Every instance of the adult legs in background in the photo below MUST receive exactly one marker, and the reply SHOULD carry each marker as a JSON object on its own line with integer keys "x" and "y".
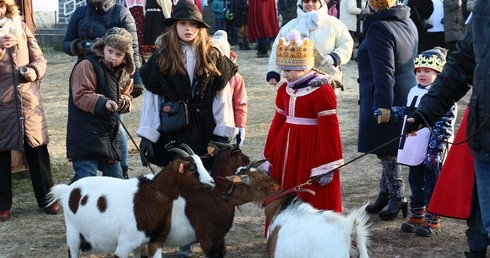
{"x": 5, "y": 180}
{"x": 476, "y": 235}
{"x": 396, "y": 187}
{"x": 262, "y": 48}
{"x": 40, "y": 171}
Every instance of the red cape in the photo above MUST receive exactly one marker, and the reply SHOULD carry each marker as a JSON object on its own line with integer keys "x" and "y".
{"x": 262, "y": 19}
{"x": 454, "y": 188}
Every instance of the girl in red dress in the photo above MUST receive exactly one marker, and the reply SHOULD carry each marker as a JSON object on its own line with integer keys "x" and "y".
{"x": 304, "y": 137}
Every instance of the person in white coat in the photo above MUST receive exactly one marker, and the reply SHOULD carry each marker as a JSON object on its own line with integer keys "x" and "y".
{"x": 332, "y": 41}
{"x": 349, "y": 12}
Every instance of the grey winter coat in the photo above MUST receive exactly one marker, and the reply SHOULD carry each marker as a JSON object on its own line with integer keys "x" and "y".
{"x": 468, "y": 63}
{"x": 453, "y": 20}
{"x": 386, "y": 74}
{"x": 21, "y": 111}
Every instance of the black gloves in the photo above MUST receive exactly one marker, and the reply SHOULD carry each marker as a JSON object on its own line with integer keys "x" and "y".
{"x": 420, "y": 121}
{"x": 146, "y": 150}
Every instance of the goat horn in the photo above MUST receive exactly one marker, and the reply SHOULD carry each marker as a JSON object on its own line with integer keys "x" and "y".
{"x": 187, "y": 148}
{"x": 180, "y": 152}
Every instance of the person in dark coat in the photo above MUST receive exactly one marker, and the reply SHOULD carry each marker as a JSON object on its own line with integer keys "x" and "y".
{"x": 240, "y": 19}
{"x": 90, "y": 22}
{"x": 420, "y": 11}
{"x": 385, "y": 63}
{"x": 467, "y": 65}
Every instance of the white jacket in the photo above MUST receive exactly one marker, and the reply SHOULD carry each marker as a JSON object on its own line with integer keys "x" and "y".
{"x": 349, "y": 11}
{"x": 328, "y": 34}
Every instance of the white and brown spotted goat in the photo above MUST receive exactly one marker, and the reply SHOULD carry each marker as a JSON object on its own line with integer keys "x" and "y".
{"x": 297, "y": 229}
{"x": 105, "y": 214}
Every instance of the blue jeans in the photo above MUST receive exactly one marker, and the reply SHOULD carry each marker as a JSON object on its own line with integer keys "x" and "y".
{"x": 479, "y": 222}
{"x": 422, "y": 182}
{"x": 124, "y": 144}
{"x": 88, "y": 167}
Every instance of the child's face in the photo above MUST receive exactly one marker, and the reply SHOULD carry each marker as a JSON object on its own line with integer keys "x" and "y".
{"x": 293, "y": 75}
{"x": 187, "y": 30}
{"x": 114, "y": 57}
{"x": 425, "y": 76}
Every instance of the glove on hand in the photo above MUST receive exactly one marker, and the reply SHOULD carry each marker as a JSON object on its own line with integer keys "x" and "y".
{"x": 414, "y": 122}
{"x": 384, "y": 117}
{"x": 221, "y": 139}
{"x": 326, "y": 179}
{"x": 136, "y": 92}
{"x": 327, "y": 60}
{"x": 123, "y": 104}
{"x": 146, "y": 150}
{"x": 241, "y": 134}
{"x": 28, "y": 73}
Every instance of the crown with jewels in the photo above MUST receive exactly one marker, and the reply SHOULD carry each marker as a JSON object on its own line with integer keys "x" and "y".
{"x": 294, "y": 53}
{"x": 433, "y": 58}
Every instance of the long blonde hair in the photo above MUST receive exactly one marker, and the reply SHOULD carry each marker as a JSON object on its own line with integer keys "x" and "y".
{"x": 170, "y": 61}
{"x": 14, "y": 20}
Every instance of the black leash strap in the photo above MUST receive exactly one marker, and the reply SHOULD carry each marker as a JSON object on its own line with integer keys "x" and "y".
{"x": 136, "y": 145}
{"x": 317, "y": 177}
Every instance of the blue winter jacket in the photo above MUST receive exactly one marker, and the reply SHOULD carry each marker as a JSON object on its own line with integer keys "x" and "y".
{"x": 385, "y": 62}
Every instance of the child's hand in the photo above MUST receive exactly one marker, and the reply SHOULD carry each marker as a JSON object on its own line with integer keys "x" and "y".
{"x": 111, "y": 105}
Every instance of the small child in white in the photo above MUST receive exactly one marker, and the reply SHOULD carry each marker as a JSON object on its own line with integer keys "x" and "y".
{"x": 425, "y": 152}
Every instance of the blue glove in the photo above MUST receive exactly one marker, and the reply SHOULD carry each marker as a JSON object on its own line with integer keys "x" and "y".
{"x": 146, "y": 150}
{"x": 326, "y": 179}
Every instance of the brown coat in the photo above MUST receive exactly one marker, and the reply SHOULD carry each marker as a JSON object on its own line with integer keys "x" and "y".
{"x": 21, "y": 112}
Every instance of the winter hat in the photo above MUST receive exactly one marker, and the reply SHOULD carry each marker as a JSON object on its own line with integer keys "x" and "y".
{"x": 186, "y": 10}
{"x": 119, "y": 39}
{"x": 220, "y": 40}
{"x": 378, "y": 5}
{"x": 433, "y": 58}
{"x": 294, "y": 53}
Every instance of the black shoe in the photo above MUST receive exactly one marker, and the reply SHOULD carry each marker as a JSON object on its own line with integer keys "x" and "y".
{"x": 125, "y": 172}
{"x": 393, "y": 208}
{"x": 476, "y": 254}
{"x": 379, "y": 204}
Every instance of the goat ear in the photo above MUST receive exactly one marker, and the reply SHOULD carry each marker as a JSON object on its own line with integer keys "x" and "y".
{"x": 181, "y": 167}
{"x": 212, "y": 149}
{"x": 244, "y": 179}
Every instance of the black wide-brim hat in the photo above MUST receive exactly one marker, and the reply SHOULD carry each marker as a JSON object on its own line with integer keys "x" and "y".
{"x": 186, "y": 10}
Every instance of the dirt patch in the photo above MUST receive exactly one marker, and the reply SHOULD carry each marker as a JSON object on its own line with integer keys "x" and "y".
{"x": 31, "y": 233}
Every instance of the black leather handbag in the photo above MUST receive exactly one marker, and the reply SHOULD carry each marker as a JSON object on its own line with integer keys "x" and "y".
{"x": 173, "y": 116}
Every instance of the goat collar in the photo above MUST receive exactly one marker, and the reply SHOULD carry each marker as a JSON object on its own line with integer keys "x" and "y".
{"x": 296, "y": 189}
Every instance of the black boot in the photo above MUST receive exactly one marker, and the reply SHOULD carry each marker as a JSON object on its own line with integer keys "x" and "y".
{"x": 125, "y": 172}
{"x": 379, "y": 204}
{"x": 476, "y": 254}
{"x": 394, "y": 206}
{"x": 245, "y": 44}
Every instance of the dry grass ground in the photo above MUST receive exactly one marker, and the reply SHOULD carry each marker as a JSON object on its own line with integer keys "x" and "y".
{"x": 31, "y": 233}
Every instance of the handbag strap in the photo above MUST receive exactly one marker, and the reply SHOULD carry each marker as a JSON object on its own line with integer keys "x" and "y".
{"x": 17, "y": 91}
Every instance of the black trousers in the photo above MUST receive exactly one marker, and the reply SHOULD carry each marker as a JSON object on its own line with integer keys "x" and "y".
{"x": 39, "y": 169}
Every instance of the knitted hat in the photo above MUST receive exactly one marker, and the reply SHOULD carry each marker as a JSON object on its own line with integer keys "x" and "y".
{"x": 119, "y": 39}
{"x": 433, "y": 58}
{"x": 294, "y": 53}
{"x": 220, "y": 40}
{"x": 186, "y": 10}
{"x": 378, "y": 5}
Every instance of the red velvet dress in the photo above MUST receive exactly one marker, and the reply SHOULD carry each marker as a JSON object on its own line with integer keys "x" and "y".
{"x": 305, "y": 135}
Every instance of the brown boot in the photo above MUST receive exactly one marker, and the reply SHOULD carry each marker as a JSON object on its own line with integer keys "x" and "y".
{"x": 416, "y": 218}
{"x": 429, "y": 227}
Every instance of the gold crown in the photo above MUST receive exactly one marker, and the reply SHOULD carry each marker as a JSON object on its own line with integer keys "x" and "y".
{"x": 295, "y": 54}
{"x": 432, "y": 59}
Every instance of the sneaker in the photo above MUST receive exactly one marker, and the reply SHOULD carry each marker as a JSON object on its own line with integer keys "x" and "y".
{"x": 411, "y": 223}
{"x": 428, "y": 230}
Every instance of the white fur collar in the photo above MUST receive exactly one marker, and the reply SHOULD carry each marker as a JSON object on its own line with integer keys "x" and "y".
{"x": 309, "y": 21}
